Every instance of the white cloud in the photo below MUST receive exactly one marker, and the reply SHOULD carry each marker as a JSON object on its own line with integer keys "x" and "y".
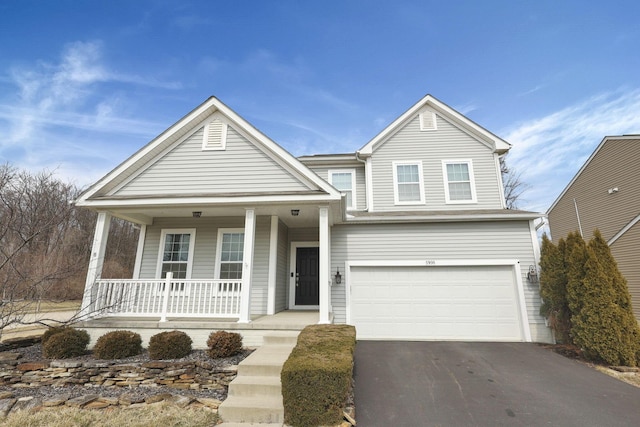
{"x": 548, "y": 151}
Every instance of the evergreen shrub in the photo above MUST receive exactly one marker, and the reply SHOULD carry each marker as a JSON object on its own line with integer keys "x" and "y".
{"x": 118, "y": 345}
{"x": 64, "y": 343}
{"x": 169, "y": 345}
{"x": 224, "y": 344}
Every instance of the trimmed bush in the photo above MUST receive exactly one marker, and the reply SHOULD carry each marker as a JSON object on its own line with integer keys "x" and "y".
{"x": 169, "y": 345}
{"x": 224, "y": 344}
{"x": 118, "y": 345}
{"x": 64, "y": 343}
{"x": 316, "y": 378}
{"x": 52, "y": 331}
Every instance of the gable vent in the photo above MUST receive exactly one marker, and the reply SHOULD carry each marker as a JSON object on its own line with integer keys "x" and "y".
{"x": 215, "y": 136}
{"x": 428, "y": 120}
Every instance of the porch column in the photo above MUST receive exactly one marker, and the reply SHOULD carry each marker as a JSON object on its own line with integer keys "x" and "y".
{"x": 247, "y": 267}
{"x": 96, "y": 260}
{"x": 323, "y": 265}
{"x": 273, "y": 266}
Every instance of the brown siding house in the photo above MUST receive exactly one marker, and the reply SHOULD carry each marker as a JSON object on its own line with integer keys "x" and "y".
{"x": 605, "y": 194}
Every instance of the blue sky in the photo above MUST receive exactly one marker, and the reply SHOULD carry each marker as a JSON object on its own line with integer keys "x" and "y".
{"x": 84, "y": 84}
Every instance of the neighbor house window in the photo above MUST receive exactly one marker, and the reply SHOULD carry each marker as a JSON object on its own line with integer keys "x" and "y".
{"x": 230, "y": 254}
{"x": 345, "y": 182}
{"x": 459, "y": 183}
{"x": 176, "y": 253}
{"x": 408, "y": 184}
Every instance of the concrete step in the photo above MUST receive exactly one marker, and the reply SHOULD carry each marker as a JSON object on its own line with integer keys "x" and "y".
{"x": 283, "y": 337}
{"x": 267, "y": 360}
{"x": 252, "y": 409}
{"x": 256, "y": 386}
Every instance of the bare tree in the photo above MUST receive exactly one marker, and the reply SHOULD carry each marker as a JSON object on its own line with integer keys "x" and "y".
{"x": 514, "y": 187}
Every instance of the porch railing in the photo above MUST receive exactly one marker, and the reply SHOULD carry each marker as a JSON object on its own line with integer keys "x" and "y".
{"x": 167, "y": 297}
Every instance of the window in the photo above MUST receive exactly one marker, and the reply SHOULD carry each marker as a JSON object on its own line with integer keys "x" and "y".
{"x": 230, "y": 254}
{"x": 176, "y": 253}
{"x": 407, "y": 179}
{"x": 345, "y": 182}
{"x": 459, "y": 184}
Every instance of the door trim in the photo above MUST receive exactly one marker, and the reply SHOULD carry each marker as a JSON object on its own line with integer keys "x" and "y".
{"x": 292, "y": 280}
{"x": 513, "y": 263}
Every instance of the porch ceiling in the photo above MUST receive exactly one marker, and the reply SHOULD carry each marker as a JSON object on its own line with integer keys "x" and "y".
{"x": 308, "y": 215}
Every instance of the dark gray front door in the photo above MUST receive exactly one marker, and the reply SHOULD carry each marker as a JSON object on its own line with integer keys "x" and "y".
{"x": 307, "y": 289}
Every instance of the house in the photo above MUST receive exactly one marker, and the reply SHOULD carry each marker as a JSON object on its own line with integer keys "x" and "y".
{"x": 407, "y": 238}
{"x": 605, "y": 194}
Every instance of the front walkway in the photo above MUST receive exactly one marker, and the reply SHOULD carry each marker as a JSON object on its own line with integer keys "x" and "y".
{"x": 200, "y": 328}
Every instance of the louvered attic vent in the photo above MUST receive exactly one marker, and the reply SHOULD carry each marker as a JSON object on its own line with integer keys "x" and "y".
{"x": 428, "y": 120}
{"x": 215, "y": 135}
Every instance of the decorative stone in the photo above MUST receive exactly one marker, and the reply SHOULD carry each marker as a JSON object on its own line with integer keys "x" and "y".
{"x": 79, "y": 402}
{"x": 181, "y": 401}
{"x": 6, "y": 395}
{"x": 56, "y": 401}
{"x": 27, "y": 403}
{"x": 9, "y": 356}
{"x": 128, "y": 399}
{"x": 108, "y": 399}
{"x": 158, "y": 397}
{"x": 96, "y": 405}
{"x": 65, "y": 364}
{"x": 179, "y": 386}
{"x": 32, "y": 366}
{"x": 6, "y": 405}
{"x": 209, "y": 402}
{"x": 156, "y": 365}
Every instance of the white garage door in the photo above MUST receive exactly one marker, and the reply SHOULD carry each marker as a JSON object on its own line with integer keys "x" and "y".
{"x": 478, "y": 303}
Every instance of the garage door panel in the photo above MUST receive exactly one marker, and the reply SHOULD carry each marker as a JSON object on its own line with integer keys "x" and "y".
{"x": 465, "y": 303}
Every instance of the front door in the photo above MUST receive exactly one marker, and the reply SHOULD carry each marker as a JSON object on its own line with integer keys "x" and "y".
{"x": 307, "y": 283}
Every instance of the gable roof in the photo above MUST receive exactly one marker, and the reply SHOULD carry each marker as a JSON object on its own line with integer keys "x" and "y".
{"x": 499, "y": 145}
{"x": 586, "y": 164}
{"x": 144, "y": 157}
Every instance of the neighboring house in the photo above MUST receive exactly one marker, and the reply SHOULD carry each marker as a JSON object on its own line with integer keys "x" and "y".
{"x": 407, "y": 238}
{"x": 605, "y": 194}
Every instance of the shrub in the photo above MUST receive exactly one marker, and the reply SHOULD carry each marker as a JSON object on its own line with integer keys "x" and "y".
{"x": 169, "y": 345}
{"x": 52, "y": 331}
{"x": 118, "y": 345}
{"x": 316, "y": 378}
{"x": 553, "y": 289}
{"x": 64, "y": 343}
{"x": 224, "y": 344}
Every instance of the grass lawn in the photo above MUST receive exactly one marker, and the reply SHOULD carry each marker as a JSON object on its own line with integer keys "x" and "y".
{"x": 155, "y": 415}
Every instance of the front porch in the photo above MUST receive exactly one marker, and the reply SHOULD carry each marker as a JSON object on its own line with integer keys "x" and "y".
{"x": 284, "y": 323}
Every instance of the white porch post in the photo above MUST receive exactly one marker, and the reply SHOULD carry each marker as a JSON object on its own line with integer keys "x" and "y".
{"x": 96, "y": 260}
{"x": 324, "y": 265}
{"x": 273, "y": 265}
{"x": 247, "y": 267}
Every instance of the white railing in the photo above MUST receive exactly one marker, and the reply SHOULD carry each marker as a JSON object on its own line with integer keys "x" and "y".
{"x": 167, "y": 297}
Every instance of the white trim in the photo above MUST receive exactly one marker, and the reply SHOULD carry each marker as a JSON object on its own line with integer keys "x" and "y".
{"x": 624, "y": 230}
{"x": 324, "y": 265}
{"x": 395, "y": 165}
{"x": 192, "y": 245}
{"x": 503, "y": 200}
{"x": 351, "y": 172}
{"x": 472, "y": 181}
{"x": 517, "y": 271}
{"x": 273, "y": 266}
{"x": 369, "y": 180}
{"x": 535, "y": 243}
{"x": 221, "y": 232}
{"x": 434, "y": 120}
{"x": 247, "y": 265}
{"x": 96, "y": 260}
{"x": 140, "y": 249}
{"x": 292, "y": 275}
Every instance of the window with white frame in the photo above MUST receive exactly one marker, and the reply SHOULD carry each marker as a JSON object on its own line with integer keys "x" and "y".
{"x": 176, "y": 253}
{"x": 459, "y": 183}
{"x": 230, "y": 254}
{"x": 345, "y": 182}
{"x": 408, "y": 183}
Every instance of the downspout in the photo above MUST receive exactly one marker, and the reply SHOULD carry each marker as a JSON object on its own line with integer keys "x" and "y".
{"x": 575, "y": 203}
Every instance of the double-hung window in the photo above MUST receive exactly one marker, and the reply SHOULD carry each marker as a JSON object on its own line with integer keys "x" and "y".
{"x": 408, "y": 183}
{"x": 176, "y": 255}
{"x": 230, "y": 254}
{"x": 459, "y": 183}
{"x": 345, "y": 181}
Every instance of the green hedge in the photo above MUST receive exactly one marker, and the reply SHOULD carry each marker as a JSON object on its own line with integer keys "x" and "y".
{"x": 316, "y": 379}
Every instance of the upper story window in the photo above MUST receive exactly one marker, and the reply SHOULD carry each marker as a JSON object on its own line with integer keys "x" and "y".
{"x": 345, "y": 181}
{"x": 459, "y": 183}
{"x": 230, "y": 253}
{"x": 176, "y": 253}
{"x": 408, "y": 183}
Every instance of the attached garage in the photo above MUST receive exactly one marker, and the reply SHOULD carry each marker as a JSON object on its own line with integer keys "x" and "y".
{"x": 446, "y": 300}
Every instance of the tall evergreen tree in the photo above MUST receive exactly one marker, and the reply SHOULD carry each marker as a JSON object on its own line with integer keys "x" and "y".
{"x": 553, "y": 288}
{"x": 575, "y": 257}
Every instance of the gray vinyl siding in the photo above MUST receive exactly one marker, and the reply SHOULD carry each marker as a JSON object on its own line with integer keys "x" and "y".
{"x": 431, "y": 147}
{"x": 625, "y": 251}
{"x": 361, "y": 189}
{"x": 303, "y": 234}
{"x": 615, "y": 165}
{"x": 282, "y": 278}
{"x": 204, "y": 259}
{"x": 460, "y": 241}
{"x": 240, "y": 168}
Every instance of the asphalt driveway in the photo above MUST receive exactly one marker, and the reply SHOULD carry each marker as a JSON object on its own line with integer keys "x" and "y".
{"x": 417, "y": 384}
